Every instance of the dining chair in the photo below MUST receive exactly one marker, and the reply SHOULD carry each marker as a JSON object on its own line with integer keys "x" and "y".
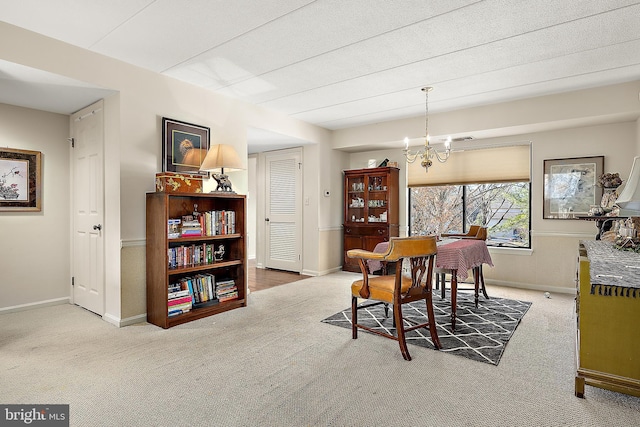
{"x": 397, "y": 289}
{"x": 476, "y": 232}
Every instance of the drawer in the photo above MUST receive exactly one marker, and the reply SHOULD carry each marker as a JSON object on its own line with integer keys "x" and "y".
{"x": 366, "y": 231}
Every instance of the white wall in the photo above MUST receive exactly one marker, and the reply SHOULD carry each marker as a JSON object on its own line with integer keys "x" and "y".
{"x": 34, "y": 246}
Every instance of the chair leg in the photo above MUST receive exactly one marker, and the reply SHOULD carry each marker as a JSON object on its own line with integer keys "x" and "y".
{"x": 484, "y": 290}
{"x": 386, "y": 310}
{"x": 476, "y": 284}
{"x": 354, "y": 317}
{"x": 397, "y": 315}
{"x": 432, "y": 322}
{"x": 443, "y": 278}
{"x": 454, "y": 297}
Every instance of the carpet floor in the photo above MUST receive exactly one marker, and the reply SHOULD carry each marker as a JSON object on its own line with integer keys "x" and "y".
{"x": 481, "y": 333}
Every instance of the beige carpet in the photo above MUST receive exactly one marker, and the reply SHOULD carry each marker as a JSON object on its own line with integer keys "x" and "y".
{"x": 275, "y": 363}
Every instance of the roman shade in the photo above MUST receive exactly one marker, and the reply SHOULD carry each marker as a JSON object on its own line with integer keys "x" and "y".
{"x": 475, "y": 166}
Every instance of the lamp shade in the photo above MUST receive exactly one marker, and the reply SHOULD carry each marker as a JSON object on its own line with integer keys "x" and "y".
{"x": 221, "y": 156}
{"x": 629, "y": 199}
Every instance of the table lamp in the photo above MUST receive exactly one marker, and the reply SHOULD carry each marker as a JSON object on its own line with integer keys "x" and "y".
{"x": 222, "y": 156}
{"x": 629, "y": 199}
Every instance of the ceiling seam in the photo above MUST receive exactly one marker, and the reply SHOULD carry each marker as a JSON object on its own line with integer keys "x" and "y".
{"x": 352, "y": 43}
{"x": 459, "y": 77}
{"x": 480, "y": 93}
{"x": 237, "y": 36}
{"x": 121, "y": 24}
{"x": 425, "y": 59}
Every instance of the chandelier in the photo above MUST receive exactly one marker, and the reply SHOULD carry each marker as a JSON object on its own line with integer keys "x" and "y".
{"x": 427, "y": 153}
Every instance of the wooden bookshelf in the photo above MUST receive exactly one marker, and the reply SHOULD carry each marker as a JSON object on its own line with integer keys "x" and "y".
{"x": 162, "y": 206}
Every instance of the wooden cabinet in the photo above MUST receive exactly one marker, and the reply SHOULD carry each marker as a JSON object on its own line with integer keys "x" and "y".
{"x": 371, "y": 210}
{"x": 229, "y": 267}
{"x": 607, "y": 314}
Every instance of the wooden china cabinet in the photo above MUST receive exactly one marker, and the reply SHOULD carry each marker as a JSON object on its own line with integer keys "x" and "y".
{"x": 371, "y": 206}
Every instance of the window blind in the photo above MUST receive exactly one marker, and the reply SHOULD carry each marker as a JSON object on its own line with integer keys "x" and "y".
{"x": 475, "y": 166}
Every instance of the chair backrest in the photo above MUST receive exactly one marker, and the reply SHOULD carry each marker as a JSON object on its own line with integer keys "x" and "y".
{"x": 409, "y": 247}
{"x": 481, "y": 234}
{"x": 473, "y": 230}
{"x": 421, "y": 251}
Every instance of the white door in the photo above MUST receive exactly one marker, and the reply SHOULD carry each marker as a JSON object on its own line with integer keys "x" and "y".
{"x": 283, "y": 210}
{"x": 87, "y": 131}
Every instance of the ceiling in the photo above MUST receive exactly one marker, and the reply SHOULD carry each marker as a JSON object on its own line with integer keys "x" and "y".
{"x": 339, "y": 63}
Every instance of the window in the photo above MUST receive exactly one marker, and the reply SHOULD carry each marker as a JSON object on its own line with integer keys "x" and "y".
{"x": 502, "y": 207}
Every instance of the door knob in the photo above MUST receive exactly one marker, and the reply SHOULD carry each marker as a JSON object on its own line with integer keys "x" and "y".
{"x": 97, "y": 227}
{"x": 266, "y": 219}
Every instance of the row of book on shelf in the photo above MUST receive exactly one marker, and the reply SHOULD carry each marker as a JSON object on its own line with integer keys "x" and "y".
{"x": 190, "y": 255}
{"x": 199, "y": 291}
{"x": 210, "y": 223}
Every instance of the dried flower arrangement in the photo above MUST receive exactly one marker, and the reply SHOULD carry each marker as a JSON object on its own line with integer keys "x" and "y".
{"x": 609, "y": 180}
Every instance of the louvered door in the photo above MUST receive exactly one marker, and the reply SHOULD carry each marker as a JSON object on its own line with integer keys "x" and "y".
{"x": 284, "y": 210}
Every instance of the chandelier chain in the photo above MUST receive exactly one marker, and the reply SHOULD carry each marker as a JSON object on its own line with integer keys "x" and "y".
{"x": 426, "y": 116}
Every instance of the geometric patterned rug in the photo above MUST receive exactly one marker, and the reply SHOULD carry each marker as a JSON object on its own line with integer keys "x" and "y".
{"x": 481, "y": 333}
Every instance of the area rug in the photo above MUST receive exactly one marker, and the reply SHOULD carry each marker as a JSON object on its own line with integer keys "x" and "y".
{"x": 481, "y": 333}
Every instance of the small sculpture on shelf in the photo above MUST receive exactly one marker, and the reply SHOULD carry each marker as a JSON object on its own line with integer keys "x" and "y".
{"x": 224, "y": 184}
{"x": 219, "y": 254}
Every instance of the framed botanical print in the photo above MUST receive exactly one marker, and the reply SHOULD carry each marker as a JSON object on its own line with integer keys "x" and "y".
{"x": 570, "y": 186}
{"x": 20, "y": 180}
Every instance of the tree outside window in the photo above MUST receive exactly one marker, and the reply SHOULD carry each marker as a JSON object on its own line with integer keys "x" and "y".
{"x": 501, "y": 207}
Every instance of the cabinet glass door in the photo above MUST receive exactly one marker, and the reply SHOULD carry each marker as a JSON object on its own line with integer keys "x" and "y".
{"x": 377, "y": 200}
{"x": 355, "y": 211}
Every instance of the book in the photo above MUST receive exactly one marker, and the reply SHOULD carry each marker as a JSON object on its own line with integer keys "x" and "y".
{"x": 173, "y": 228}
{"x": 179, "y": 301}
{"x": 178, "y": 293}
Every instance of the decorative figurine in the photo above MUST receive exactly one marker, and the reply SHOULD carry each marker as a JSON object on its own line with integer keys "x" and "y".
{"x": 219, "y": 254}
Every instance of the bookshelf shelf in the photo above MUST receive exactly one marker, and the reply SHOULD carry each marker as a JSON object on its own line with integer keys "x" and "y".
{"x": 206, "y": 278}
{"x": 202, "y": 267}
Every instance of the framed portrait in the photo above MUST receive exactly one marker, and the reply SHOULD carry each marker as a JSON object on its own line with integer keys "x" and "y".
{"x": 570, "y": 186}
{"x": 19, "y": 180}
{"x": 184, "y": 146}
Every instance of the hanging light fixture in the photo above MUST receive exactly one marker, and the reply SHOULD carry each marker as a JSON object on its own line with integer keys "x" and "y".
{"x": 427, "y": 153}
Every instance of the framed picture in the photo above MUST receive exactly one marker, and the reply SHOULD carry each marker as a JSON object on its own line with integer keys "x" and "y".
{"x": 19, "y": 180}
{"x": 570, "y": 186}
{"x": 184, "y": 147}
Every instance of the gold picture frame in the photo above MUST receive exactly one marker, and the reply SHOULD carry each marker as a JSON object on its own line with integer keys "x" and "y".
{"x": 20, "y": 174}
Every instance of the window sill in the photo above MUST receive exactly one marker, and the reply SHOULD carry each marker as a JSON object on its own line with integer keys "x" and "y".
{"x": 510, "y": 251}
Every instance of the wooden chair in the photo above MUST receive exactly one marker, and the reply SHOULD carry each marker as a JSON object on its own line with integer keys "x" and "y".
{"x": 397, "y": 289}
{"x": 475, "y": 232}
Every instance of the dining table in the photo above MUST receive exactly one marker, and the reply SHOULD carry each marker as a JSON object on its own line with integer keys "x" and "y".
{"x": 456, "y": 256}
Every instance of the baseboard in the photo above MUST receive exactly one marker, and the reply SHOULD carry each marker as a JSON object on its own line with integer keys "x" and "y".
{"x": 531, "y": 287}
{"x": 32, "y": 305}
{"x": 315, "y": 273}
{"x": 126, "y": 321}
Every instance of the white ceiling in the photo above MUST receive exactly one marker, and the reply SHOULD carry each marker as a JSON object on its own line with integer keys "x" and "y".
{"x": 338, "y": 63}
